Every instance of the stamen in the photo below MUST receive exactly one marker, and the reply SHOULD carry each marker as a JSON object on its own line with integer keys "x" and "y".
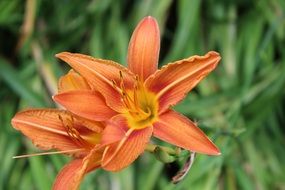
{"x": 125, "y": 100}
{"x": 135, "y": 92}
{"x": 114, "y": 83}
{"x": 136, "y": 97}
{"x": 122, "y": 85}
{"x": 121, "y": 74}
{"x": 125, "y": 96}
{"x": 132, "y": 103}
{"x": 73, "y": 133}
{"x": 48, "y": 153}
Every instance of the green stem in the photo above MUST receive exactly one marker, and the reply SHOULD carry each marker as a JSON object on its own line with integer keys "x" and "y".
{"x": 170, "y": 151}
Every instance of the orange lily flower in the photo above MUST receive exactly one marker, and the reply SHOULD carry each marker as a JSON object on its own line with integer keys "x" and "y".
{"x": 135, "y": 102}
{"x": 66, "y": 132}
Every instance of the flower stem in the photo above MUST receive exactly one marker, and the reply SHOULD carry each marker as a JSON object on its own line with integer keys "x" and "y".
{"x": 170, "y": 151}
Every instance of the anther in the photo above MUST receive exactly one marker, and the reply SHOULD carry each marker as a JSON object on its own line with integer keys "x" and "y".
{"x": 137, "y": 78}
{"x": 121, "y": 74}
{"x": 73, "y": 133}
{"x": 114, "y": 82}
{"x": 122, "y": 85}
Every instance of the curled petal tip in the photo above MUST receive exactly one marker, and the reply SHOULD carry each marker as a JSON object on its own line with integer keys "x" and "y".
{"x": 14, "y": 122}
{"x": 150, "y": 22}
{"x": 55, "y": 98}
{"x": 214, "y": 53}
{"x": 58, "y": 55}
{"x": 216, "y": 152}
{"x": 62, "y": 54}
{"x": 150, "y": 18}
{"x": 213, "y": 149}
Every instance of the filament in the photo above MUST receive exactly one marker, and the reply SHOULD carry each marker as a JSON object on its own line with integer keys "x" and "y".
{"x": 73, "y": 133}
{"x": 48, "y": 153}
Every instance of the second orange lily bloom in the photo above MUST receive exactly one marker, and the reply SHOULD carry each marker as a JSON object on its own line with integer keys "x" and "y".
{"x": 67, "y": 133}
{"x": 135, "y": 102}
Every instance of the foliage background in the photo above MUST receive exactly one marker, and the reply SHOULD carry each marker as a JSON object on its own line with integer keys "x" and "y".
{"x": 241, "y": 105}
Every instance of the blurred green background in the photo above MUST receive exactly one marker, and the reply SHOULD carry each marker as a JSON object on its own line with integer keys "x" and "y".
{"x": 241, "y": 105}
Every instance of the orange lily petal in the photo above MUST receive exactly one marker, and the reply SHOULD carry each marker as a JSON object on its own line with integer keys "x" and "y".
{"x": 177, "y": 129}
{"x": 144, "y": 48}
{"x": 95, "y": 126}
{"x": 85, "y": 103}
{"x": 45, "y": 129}
{"x": 72, "y": 81}
{"x": 122, "y": 153}
{"x": 175, "y": 80}
{"x": 114, "y": 132}
{"x": 72, "y": 174}
{"x": 101, "y": 74}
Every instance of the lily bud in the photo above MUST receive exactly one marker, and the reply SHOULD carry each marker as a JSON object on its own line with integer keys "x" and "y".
{"x": 163, "y": 156}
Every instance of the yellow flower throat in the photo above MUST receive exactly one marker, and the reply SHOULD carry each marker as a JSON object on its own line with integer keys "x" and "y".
{"x": 141, "y": 105}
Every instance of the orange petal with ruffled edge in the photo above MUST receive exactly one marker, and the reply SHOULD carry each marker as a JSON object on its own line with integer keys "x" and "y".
{"x": 178, "y": 130}
{"x": 101, "y": 75}
{"x": 85, "y": 103}
{"x": 143, "y": 52}
{"x": 72, "y": 81}
{"x": 122, "y": 153}
{"x": 72, "y": 174}
{"x": 45, "y": 129}
{"x": 175, "y": 80}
